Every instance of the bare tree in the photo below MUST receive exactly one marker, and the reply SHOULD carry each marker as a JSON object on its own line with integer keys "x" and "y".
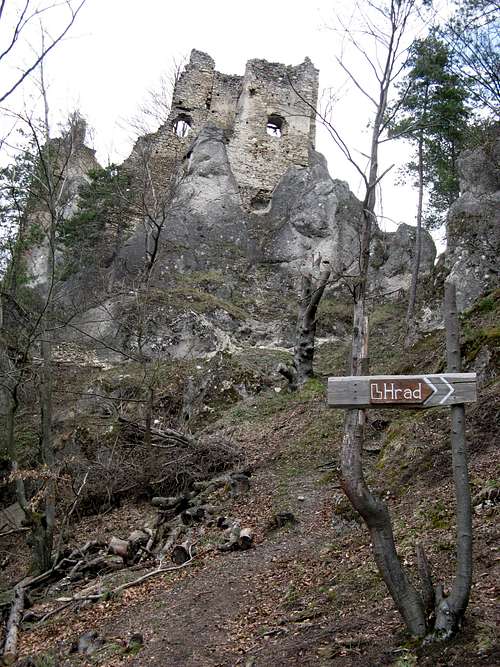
{"x": 385, "y": 26}
{"x": 388, "y": 37}
{"x": 154, "y": 111}
{"x": 151, "y": 198}
{"x": 314, "y": 280}
{"x": 16, "y": 26}
{"x": 429, "y": 611}
{"x": 48, "y": 202}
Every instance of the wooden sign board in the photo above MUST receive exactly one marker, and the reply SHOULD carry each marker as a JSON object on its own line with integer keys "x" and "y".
{"x": 402, "y": 391}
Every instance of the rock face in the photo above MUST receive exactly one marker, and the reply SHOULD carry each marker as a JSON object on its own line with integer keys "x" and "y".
{"x": 310, "y": 213}
{"x": 76, "y": 160}
{"x": 473, "y": 224}
{"x": 245, "y": 200}
{"x": 392, "y": 255}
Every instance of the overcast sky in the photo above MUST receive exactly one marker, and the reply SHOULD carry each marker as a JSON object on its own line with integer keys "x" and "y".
{"x": 118, "y": 49}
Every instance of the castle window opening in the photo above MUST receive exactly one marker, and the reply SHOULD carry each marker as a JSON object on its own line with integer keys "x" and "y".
{"x": 182, "y": 126}
{"x": 275, "y": 125}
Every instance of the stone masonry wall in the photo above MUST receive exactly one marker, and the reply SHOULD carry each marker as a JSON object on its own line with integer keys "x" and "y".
{"x": 259, "y": 159}
{"x": 242, "y": 106}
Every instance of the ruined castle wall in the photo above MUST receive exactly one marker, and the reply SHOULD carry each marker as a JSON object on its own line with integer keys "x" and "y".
{"x": 259, "y": 159}
{"x": 225, "y": 93}
{"x": 243, "y": 107}
{"x": 193, "y": 92}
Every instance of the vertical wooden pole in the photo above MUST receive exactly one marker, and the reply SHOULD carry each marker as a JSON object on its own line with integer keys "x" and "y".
{"x": 451, "y": 610}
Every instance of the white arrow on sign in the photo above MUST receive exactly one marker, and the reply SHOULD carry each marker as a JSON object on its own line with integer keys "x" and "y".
{"x": 451, "y": 391}
{"x": 437, "y": 388}
{"x": 402, "y": 391}
{"x": 433, "y": 387}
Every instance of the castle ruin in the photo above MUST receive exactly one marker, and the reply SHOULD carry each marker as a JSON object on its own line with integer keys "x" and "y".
{"x": 267, "y": 116}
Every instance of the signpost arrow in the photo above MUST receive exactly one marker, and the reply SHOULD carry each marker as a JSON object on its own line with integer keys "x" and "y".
{"x": 402, "y": 391}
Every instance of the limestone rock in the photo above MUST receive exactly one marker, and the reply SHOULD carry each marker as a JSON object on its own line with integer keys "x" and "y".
{"x": 392, "y": 257}
{"x": 310, "y": 213}
{"x": 473, "y": 225}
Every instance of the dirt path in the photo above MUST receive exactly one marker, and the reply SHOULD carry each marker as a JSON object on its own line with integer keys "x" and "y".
{"x": 217, "y": 616}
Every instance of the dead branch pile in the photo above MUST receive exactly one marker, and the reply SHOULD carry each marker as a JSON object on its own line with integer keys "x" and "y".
{"x": 180, "y": 525}
{"x": 122, "y": 465}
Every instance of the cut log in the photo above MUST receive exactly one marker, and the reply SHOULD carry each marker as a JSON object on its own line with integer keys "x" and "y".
{"x": 12, "y": 628}
{"x": 153, "y": 534}
{"x": 214, "y": 483}
{"x": 232, "y": 535}
{"x": 171, "y": 540}
{"x": 181, "y": 553}
{"x": 120, "y": 548}
{"x": 102, "y": 563}
{"x": 193, "y": 515}
{"x": 74, "y": 573}
{"x": 245, "y": 539}
{"x": 137, "y": 539}
{"x": 169, "y": 503}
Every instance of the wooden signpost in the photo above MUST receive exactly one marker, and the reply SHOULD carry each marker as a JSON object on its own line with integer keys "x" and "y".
{"x": 402, "y": 391}
{"x": 450, "y": 389}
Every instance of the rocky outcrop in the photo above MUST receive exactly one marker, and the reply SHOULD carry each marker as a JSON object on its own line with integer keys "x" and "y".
{"x": 473, "y": 224}
{"x": 74, "y": 160}
{"x": 309, "y": 213}
{"x": 204, "y": 224}
{"x": 219, "y": 214}
{"x": 392, "y": 258}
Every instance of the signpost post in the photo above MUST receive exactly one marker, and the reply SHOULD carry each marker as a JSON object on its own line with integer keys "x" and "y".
{"x": 402, "y": 391}
{"x": 449, "y": 389}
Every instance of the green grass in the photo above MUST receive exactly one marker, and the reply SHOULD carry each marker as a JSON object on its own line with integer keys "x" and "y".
{"x": 269, "y": 403}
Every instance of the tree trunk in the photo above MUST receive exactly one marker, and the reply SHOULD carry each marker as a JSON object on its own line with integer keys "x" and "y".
{"x": 149, "y": 416}
{"x": 450, "y": 610}
{"x": 310, "y": 297}
{"x": 44, "y": 528}
{"x": 376, "y": 516}
{"x": 311, "y": 293}
{"x": 412, "y": 297}
{"x": 12, "y": 628}
{"x": 373, "y": 510}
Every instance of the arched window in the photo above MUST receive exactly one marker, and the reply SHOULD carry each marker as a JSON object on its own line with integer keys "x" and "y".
{"x": 275, "y": 125}
{"x": 182, "y": 126}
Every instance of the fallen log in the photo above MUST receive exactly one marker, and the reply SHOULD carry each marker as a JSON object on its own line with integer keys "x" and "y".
{"x": 153, "y": 534}
{"x": 172, "y": 538}
{"x": 245, "y": 539}
{"x": 81, "y": 551}
{"x": 120, "y": 547}
{"x": 237, "y": 538}
{"x": 193, "y": 515}
{"x": 166, "y": 503}
{"x": 232, "y": 535}
{"x": 181, "y": 553}
{"x": 137, "y": 540}
{"x": 102, "y": 563}
{"x": 12, "y": 628}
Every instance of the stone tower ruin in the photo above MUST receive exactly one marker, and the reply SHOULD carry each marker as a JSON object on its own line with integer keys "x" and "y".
{"x": 267, "y": 116}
